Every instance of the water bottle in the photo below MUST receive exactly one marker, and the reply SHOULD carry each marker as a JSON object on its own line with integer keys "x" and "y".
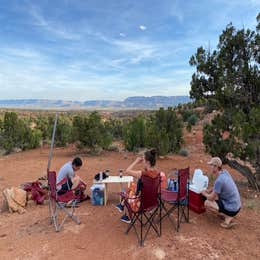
{"x": 171, "y": 184}
{"x": 120, "y": 173}
{"x": 175, "y": 185}
{"x": 100, "y": 176}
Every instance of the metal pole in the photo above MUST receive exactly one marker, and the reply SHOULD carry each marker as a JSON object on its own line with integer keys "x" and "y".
{"x": 52, "y": 142}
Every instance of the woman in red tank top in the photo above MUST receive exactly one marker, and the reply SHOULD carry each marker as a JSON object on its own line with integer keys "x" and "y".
{"x": 149, "y": 161}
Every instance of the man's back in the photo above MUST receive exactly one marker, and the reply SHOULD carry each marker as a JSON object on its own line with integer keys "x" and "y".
{"x": 227, "y": 191}
{"x": 65, "y": 171}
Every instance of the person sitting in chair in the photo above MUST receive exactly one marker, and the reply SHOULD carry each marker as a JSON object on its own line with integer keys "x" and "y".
{"x": 224, "y": 197}
{"x": 68, "y": 180}
{"x": 149, "y": 161}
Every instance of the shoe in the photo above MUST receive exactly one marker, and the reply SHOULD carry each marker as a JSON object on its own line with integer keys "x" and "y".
{"x": 125, "y": 219}
{"x": 227, "y": 226}
{"x": 120, "y": 207}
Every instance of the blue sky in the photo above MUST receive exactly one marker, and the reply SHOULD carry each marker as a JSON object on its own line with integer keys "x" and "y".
{"x": 108, "y": 49}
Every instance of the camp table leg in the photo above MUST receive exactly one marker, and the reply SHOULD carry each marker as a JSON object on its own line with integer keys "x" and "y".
{"x": 105, "y": 194}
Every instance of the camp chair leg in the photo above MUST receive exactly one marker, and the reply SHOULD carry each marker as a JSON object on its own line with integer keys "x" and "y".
{"x": 168, "y": 214}
{"x": 141, "y": 241}
{"x": 134, "y": 219}
{"x": 160, "y": 216}
{"x": 50, "y": 210}
{"x": 70, "y": 213}
{"x": 178, "y": 217}
{"x": 188, "y": 210}
{"x": 54, "y": 219}
{"x": 53, "y": 214}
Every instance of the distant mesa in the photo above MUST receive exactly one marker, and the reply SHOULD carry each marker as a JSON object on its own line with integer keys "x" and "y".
{"x": 137, "y": 102}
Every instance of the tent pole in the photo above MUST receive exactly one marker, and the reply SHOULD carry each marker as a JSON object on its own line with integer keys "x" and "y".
{"x": 52, "y": 142}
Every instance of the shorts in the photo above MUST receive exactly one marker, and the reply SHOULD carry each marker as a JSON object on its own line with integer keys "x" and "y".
{"x": 65, "y": 187}
{"x": 225, "y": 211}
{"x": 131, "y": 197}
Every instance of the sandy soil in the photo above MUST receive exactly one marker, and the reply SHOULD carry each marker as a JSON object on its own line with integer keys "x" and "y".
{"x": 101, "y": 234}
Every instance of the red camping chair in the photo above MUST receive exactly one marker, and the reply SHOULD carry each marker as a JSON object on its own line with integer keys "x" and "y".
{"x": 149, "y": 207}
{"x": 177, "y": 200}
{"x": 57, "y": 202}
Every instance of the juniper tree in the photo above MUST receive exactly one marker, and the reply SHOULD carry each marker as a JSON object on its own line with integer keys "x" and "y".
{"x": 230, "y": 77}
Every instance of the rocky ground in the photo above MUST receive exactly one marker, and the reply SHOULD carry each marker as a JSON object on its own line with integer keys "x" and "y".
{"x": 101, "y": 234}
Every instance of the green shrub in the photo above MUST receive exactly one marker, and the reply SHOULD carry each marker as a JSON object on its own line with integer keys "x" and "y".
{"x": 134, "y": 133}
{"x": 16, "y": 133}
{"x": 91, "y": 132}
{"x": 193, "y": 119}
{"x": 183, "y": 152}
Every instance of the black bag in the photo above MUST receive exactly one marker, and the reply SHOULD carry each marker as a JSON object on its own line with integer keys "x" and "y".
{"x": 97, "y": 176}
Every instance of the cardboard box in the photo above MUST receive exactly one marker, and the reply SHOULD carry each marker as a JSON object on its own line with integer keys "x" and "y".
{"x": 196, "y": 200}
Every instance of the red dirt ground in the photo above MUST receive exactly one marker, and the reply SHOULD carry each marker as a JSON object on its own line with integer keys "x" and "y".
{"x": 101, "y": 234}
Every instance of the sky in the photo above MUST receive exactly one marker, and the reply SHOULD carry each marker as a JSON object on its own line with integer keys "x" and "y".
{"x": 108, "y": 49}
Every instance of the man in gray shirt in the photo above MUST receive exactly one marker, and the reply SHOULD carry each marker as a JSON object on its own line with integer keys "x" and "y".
{"x": 67, "y": 179}
{"x": 224, "y": 197}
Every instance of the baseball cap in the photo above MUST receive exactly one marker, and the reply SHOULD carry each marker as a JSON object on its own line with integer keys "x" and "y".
{"x": 215, "y": 161}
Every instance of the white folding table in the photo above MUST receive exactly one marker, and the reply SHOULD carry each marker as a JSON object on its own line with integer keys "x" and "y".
{"x": 114, "y": 179}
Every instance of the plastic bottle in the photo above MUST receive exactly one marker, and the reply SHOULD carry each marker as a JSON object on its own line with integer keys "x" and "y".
{"x": 175, "y": 185}
{"x": 101, "y": 176}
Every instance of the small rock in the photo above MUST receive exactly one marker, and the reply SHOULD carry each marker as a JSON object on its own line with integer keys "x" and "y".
{"x": 80, "y": 247}
{"x": 159, "y": 253}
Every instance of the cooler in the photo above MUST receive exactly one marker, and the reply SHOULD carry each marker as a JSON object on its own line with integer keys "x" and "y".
{"x": 196, "y": 201}
{"x": 97, "y": 194}
{"x": 199, "y": 183}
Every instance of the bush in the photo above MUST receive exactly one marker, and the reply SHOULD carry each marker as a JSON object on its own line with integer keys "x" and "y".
{"x": 115, "y": 128}
{"x": 162, "y": 130}
{"x": 134, "y": 133}
{"x": 193, "y": 119}
{"x": 16, "y": 133}
{"x": 44, "y": 124}
{"x": 188, "y": 127}
{"x": 91, "y": 132}
{"x": 183, "y": 152}
{"x": 63, "y": 134}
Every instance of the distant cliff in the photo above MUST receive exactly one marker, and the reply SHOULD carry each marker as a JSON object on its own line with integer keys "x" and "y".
{"x": 138, "y": 102}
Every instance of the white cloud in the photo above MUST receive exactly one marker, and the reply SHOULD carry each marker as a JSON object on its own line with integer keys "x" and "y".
{"x": 122, "y": 34}
{"x": 176, "y": 11}
{"x": 50, "y": 26}
{"x": 142, "y": 27}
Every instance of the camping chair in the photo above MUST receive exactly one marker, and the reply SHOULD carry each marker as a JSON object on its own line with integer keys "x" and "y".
{"x": 179, "y": 200}
{"x": 149, "y": 207}
{"x": 57, "y": 202}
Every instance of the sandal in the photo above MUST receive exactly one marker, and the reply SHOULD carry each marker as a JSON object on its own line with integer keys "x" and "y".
{"x": 227, "y": 226}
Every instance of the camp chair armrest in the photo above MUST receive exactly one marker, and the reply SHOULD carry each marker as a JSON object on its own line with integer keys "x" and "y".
{"x": 135, "y": 197}
{"x": 124, "y": 196}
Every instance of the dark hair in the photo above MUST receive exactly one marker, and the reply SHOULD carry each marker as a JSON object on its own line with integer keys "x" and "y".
{"x": 150, "y": 156}
{"x": 77, "y": 162}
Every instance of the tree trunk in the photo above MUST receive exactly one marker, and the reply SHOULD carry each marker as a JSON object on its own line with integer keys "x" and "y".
{"x": 245, "y": 171}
